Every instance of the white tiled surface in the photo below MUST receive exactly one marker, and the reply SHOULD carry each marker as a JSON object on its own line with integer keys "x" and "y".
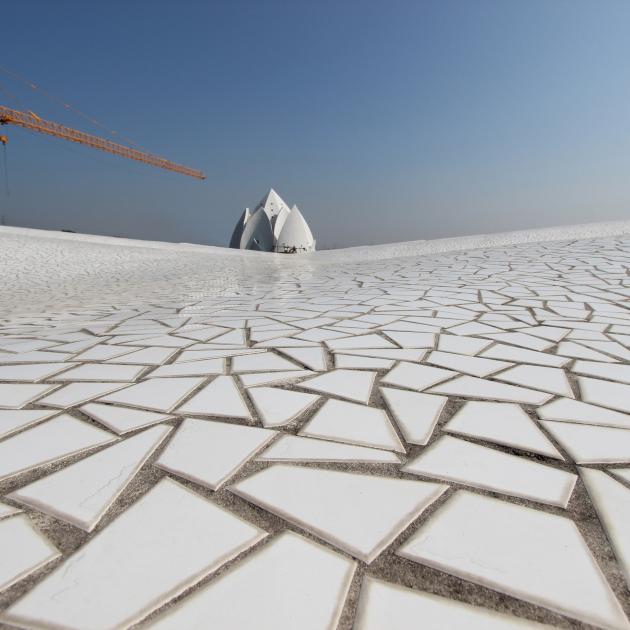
{"x": 369, "y": 365}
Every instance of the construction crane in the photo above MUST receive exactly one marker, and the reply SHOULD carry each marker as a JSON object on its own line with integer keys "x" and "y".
{"x": 29, "y": 120}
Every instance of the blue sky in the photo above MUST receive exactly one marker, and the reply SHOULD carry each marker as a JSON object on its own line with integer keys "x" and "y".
{"x": 383, "y": 121}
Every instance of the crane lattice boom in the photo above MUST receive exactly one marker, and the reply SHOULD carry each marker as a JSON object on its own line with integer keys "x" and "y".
{"x": 28, "y": 120}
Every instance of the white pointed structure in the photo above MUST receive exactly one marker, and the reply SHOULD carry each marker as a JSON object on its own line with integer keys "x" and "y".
{"x": 273, "y": 227}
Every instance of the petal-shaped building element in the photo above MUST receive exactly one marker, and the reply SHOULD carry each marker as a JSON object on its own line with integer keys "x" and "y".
{"x": 258, "y": 233}
{"x": 295, "y": 234}
{"x": 273, "y": 204}
{"x": 279, "y": 221}
{"x": 235, "y": 241}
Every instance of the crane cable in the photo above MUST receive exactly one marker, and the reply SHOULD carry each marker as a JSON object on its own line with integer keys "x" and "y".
{"x": 69, "y": 107}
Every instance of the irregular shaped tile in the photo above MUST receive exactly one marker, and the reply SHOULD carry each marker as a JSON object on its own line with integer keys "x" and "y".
{"x": 81, "y": 493}
{"x": 604, "y": 393}
{"x": 14, "y": 420}
{"x": 520, "y": 355}
{"x": 577, "y": 351}
{"x": 475, "y": 366}
{"x": 272, "y": 378}
{"x": 457, "y": 460}
{"x": 382, "y": 605}
{"x": 8, "y": 510}
{"x": 413, "y": 376}
{"x": 264, "y": 362}
{"x": 312, "y": 358}
{"x": 361, "y": 514}
{"x": 205, "y": 367}
{"x": 157, "y": 394}
{"x": 412, "y": 339}
{"x": 350, "y": 384}
{"x": 356, "y": 424}
{"x": 416, "y": 414}
{"x": 16, "y": 395}
{"x": 120, "y": 419}
{"x": 521, "y": 339}
{"x": 78, "y": 393}
{"x": 502, "y": 423}
{"x": 101, "y": 372}
{"x": 31, "y": 372}
{"x": 102, "y": 352}
{"x": 36, "y": 357}
{"x": 471, "y": 387}
{"x": 220, "y": 398}
{"x": 568, "y": 410}
{"x": 169, "y": 539}
{"x": 147, "y": 356}
{"x": 208, "y": 452}
{"x": 611, "y": 371}
{"x": 278, "y": 407}
{"x": 612, "y": 502}
{"x": 294, "y": 448}
{"x": 621, "y": 473}
{"x": 547, "y": 379}
{"x": 462, "y": 345}
{"x": 350, "y": 361}
{"x": 397, "y": 354}
{"x": 359, "y": 341}
{"x": 47, "y": 442}
{"x": 310, "y": 580}
{"x": 22, "y": 549}
{"x": 528, "y": 554}
{"x": 587, "y": 444}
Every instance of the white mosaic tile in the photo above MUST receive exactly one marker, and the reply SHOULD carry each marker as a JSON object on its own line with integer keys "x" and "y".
{"x": 547, "y": 379}
{"x": 382, "y": 605}
{"x": 529, "y": 554}
{"x": 475, "y": 366}
{"x": 78, "y": 393}
{"x": 81, "y": 493}
{"x": 359, "y": 341}
{"x": 101, "y": 372}
{"x": 356, "y": 424}
{"x": 312, "y": 358}
{"x": 587, "y": 444}
{"x": 35, "y": 357}
{"x": 15, "y": 420}
{"x": 349, "y": 361}
{"x": 8, "y": 510}
{"x": 612, "y": 502}
{"x": 604, "y": 393}
{"x": 293, "y": 448}
{"x": 452, "y": 459}
{"x": 220, "y": 398}
{"x": 613, "y": 372}
{"x": 361, "y": 514}
{"x": 171, "y": 536}
{"x": 31, "y": 372}
{"x": 501, "y": 423}
{"x": 577, "y": 351}
{"x": 397, "y": 354}
{"x": 264, "y": 362}
{"x": 120, "y": 419}
{"x": 310, "y": 580}
{"x": 472, "y": 387}
{"x": 22, "y": 549}
{"x": 208, "y": 452}
{"x": 277, "y": 407}
{"x": 412, "y": 339}
{"x": 205, "y": 367}
{"x": 416, "y": 414}
{"x": 568, "y": 410}
{"x": 147, "y": 356}
{"x": 621, "y": 473}
{"x": 350, "y": 384}
{"x": 522, "y": 340}
{"x": 521, "y": 355}
{"x": 157, "y": 394}
{"x": 273, "y": 378}
{"x": 102, "y": 352}
{"x": 47, "y": 442}
{"x": 413, "y": 376}
{"x": 16, "y": 395}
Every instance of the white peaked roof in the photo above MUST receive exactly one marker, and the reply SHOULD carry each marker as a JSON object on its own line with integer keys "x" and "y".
{"x": 273, "y": 227}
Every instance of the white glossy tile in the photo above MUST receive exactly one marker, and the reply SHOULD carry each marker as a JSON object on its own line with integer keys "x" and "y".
{"x": 604, "y": 393}
{"x": 612, "y": 502}
{"x": 350, "y": 384}
{"x": 356, "y": 424}
{"x": 8, "y": 510}
{"x": 81, "y": 493}
{"x": 263, "y": 362}
{"x": 102, "y": 352}
{"x": 382, "y": 605}
{"x": 359, "y": 341}
{"x": 157, "y": 394}
{"x": 220, "y": 398}
{"x": 611, "y": 371}
{"x": 397, "y": 354}
{"x": 577, "y": 351}
{"x": 162, "y": 341}
{"x": 35, "y": 357}
{"x": 413, "y": 339}
{"x": 472, "y": 387}
{"x": 621, "y": 473}
{"x": 416, "y": 414}
{"x": 147, "y": 356}
{"x": 568, "y": 410}
{"x": 120, "y": 419}
{"x": 521, "y": 355}
{"x": 208, "y": 452}
{"x": 587, "y": 444}
{"x": 312, "y": 358}
{"x": 15, "y": 420}
{"x": 521, "y": 339}
{"x": 413, "y": 376}
{"x": 361, "y": 514}
{"x": 31, "y": 372}
{"x": 101, "y": 372}
{"x": 475, "y": 366}
{"x": 205, "y": 367}
{"x": 471, "y": 464}
{"x": 16, "y": 395}
{"x": 525, "y": 553}
{"x": 277, "y": 407}
{"x": 502, "y": 423}
{"x": 78, "y": 393}
{"x": 169, "y": 539}
{"x": 310, "y": 580}
{"x": 547, "y": 379}
{"x": 232, "y": 337}
{"x": 273, "y": 378}
{"x": 293, "y": 448}
{"x": 47, "y": 442}
{"x": 22, "y": 549}
{"x": 462, "y": 345}
{"x": 349, "y": 361}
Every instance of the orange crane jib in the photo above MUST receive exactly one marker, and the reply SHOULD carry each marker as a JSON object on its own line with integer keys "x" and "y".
{"x": 28, "y": 120}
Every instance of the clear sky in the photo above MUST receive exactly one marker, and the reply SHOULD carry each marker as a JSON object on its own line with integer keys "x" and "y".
{"x": 384, "y": 121}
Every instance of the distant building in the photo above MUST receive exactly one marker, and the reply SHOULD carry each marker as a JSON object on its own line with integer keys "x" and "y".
{"x": 273, "y": 227}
